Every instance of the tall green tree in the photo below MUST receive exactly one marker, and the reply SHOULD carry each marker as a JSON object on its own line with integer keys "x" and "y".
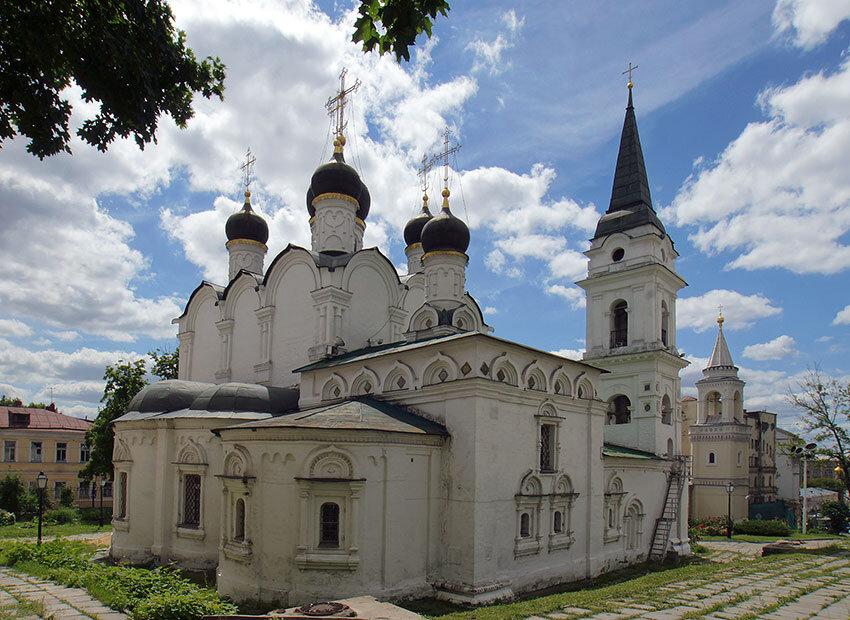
{"x": 164, "y": 363}
{"x": 823, "y": 404}
{"x": 125, "y": 55}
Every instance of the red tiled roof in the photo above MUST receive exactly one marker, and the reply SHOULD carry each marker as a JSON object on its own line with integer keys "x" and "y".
{"x": 43, "y": 419}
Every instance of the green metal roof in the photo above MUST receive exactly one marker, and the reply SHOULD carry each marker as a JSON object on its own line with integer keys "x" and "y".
{"x": 609, "y": 449}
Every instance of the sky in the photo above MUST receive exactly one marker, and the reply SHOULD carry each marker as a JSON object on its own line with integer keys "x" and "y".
{"x": 743, "y": 110}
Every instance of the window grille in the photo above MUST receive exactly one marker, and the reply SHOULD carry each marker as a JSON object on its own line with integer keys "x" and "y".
{"x": 546, "y": 448}
{"x": 192, "y": 500}
{"x": 239, "y": 521}
{"x": 122, "y": 500}
{"x": 329, "y": 525}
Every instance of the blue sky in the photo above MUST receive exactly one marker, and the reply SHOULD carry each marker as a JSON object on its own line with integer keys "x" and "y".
{"x": 744, "y": 117}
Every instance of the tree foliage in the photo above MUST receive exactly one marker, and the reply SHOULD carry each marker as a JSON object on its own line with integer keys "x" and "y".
{"x": 11, "y": 493}
{"x": 393, "y": 25}
{"x": 124, "y": 55}
{"x": 838, "y": 513}
{"x": 832, "y": 484}
{"x": 123, "y": 381}
{"x": 824, "y": 409}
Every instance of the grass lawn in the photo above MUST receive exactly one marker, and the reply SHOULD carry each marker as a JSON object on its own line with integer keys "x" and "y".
{"x": 29, "y": 529}
{"x": 640, "y": 583}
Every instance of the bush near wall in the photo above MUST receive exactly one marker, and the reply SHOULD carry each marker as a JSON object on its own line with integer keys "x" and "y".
{"x": 761, "y": 528}
{"x": 712, "y": 526}
{"x": 158, "y": 594}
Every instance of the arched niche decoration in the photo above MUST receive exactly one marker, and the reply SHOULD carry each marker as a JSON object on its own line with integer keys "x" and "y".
{"x": 713, "y": 404}
{"x": 238, "y": 462}
{"x": 737, "y": 405}
{"x": 192, "y": 454}
{"x": 335, "y": 387}
{"x": 330, "y": 463}
{"x": 612, "y": 514}
{"x": 465, "y": 320}
{"x": 562, "y": 485}
{"x": 585, "y": 389}
{"x": 633, "y": 524}
{"x": 424, "y": 318}
{"x": 560, "y": 383}
{"x": 440, "y": 369}
{"x": 530, "y": 485}
{"x": 533, "y": 378}
{"x": 547, "y": 409}
{"x": 366, "y": 382}
{"x": 503, "y": 370}
{"x": 400, "y": 377}
{"x": 205, "y": 293}
{"x": 666, "y": 409}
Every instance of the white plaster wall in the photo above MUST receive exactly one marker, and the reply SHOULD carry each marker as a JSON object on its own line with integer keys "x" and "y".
{"x": 368, "y": 316}
{"x": 245, "y": 347}
{"x": 294, "y": 327}
{"x": 206, "y": 344}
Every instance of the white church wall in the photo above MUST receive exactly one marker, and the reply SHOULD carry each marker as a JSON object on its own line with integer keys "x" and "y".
{"x": 374, "y": 291}
{"x": 206, "y": 342}
{"x": 241, "y": 305}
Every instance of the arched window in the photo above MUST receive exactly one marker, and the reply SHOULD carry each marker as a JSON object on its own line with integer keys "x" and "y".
{"x": 740, "y": 458}
{"x": 619, "y": 324}
{"x": 524, "y": 525}
{"x": 665, "y": 320}
{"x": 712, "y": 458}
{"x": 619, "y": 410}
{"x": 558, "y": 524}
{"x": 122, "y": 495}
{"x": 713, "y": 404}
{"x": 666, "y": 410}
{"x": 669, "y": 447}
{"x": 610, "y": 517}
{"x": 329, "y": 525}
{"x": 191, "y": 500}
{"x": 547, "y": 447}
{"x": 239, "y": 520}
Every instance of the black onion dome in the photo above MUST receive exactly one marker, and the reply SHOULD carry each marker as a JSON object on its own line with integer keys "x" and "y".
{"x": 445, "y": 232}
{"x": 413, "y": 228}
{"x": 337, "y": 177}
{"x": 365, "y": 201}
{"x": 245, "y": 224}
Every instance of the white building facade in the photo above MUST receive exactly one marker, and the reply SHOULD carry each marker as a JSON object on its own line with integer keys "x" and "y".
{"x": 339, "y": 430}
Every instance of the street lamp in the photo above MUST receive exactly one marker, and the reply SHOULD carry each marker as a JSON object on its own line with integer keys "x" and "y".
{"x": 729, "y": 489}
{"x": 806, "y": 452}
{"x": 41, "y": 481}
{"x": 102, "y": 481}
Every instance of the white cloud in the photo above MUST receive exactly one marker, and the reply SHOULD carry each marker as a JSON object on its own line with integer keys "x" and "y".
{"x": 12, "y": 328}
{"x": 573, "y": 354}
{"x": 65, "y": 336}
{"x": 496, "y": 262}
{"x": 809, "y": 22}
{"x": 843, "y": 317}
{"x": 572, "y": 294}
{"x": 488, "y": 54}
{"x": 740, "y": 311}
{"x": 779, "y": 194}
{"x": 776, "y": 349}
{"x": 490, "y": 311}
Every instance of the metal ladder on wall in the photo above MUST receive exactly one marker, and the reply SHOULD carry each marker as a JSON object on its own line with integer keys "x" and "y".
{"x": 670, "y": 514}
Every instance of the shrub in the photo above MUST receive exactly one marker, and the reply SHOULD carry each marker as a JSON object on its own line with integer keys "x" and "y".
{"x": 762, "y": 528}
{"x": 833, "y": 484}
{"x": 6, "y": 517}
{"x": 11, "y": 493}
{"x": 712, "y": 526}
{"x": 171, "y": 606}
{"x": 61, "y": 515}
{"x": 66, "y": 497}
{"x": 838, "y": 515}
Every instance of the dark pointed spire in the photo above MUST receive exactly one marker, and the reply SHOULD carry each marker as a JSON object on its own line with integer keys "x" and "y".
{"x": 631, "y": 203}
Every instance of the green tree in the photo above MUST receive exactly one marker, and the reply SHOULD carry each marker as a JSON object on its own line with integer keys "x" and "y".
{"x": 66, "y": 497}
{"x": 826, "y": 483}
{"x": 164, "y": 363}
{"x": 125, "y": 56}
{"x": 123, "y": 382}
{"x": 393, "y": 25}
{"x": 11, "y": 493}
{"x": 824, "y": 410}
{"x": 838, "y": 513}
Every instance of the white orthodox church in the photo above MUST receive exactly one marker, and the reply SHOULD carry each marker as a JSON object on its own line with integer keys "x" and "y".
{"x": 338, "y": 430}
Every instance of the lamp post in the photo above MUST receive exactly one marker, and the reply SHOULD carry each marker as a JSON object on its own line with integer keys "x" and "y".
{"x": 41, "y": 481}
{"x": 102, "y": 481}
{"x": 730, "y": 488}
{"x": 807, "y": 452}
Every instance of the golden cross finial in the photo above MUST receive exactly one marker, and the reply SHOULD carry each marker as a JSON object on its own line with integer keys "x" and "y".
{"x": 246, "y": 167}
{"x": 422, "y": 173}
{"x": 629, "y": 71}
{"x": 444, "y": 156}
{"x": 720, "y": 318}
{"x": 336, "y": 106}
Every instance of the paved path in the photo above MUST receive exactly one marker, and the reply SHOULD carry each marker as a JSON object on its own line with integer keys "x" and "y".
{"x": 59, "y": 602}
{"x": 816, "y": 588}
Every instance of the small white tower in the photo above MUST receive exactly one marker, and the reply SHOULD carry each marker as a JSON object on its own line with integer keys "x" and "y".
{"x": 247, "y": 234}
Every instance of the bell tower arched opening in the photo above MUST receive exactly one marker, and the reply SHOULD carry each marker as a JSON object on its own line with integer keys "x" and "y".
{"x": 619, "y": 410}
{"x": 619, "y": 324}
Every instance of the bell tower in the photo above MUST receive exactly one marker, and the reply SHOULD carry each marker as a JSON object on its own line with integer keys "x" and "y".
{"x": 631, "y": 288}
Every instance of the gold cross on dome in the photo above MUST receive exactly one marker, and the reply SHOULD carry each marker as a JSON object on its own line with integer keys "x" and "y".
{"x": 629, "y": 71}
{"x": 336, "y": 104}
{"x": 246, "y": 167}
{"x": 445, "y": 157}
{"x": 422, "y": 173}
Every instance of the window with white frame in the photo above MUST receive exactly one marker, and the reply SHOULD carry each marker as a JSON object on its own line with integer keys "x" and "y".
{"x": 85, "y": 453}
{"x": 191, "y": 500}
{"x": 548, "y": 424}
{"x": 84, "y": 490}
{"x": 329, "y": 502}
{"x": 239, "y": 520}
{"x": 123, "y": 493}
{"x": 191, "y": 473}
{"x": 613, "y": 499}
{"x": 61, "y": 452}
{"x": 560, "y": 514}
{"x": 634, "y": 525}
{"x": 237, "y": 492}
{"x": 527, "y": 540}
{"x": 10, "y": 447}
{"x": 35, "y": 451}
